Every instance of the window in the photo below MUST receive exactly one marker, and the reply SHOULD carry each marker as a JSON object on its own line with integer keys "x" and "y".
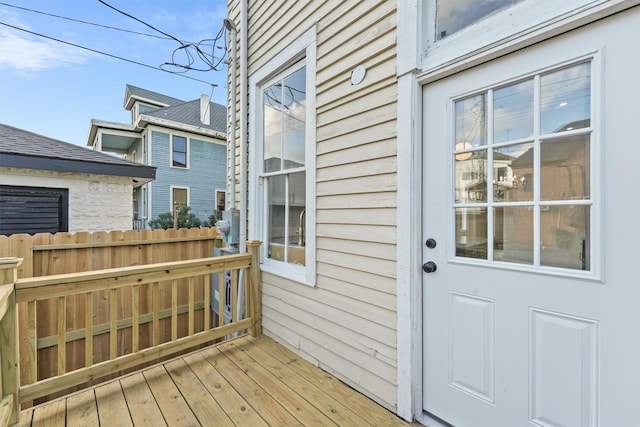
{"x": 458, "y": 30}
{"x": 522, "y": 162}
{"x": 454, "y": 15}
{"x": 179, "y": 151}
{"x": 282, "y": 183}
{"x": 283, "y": 119}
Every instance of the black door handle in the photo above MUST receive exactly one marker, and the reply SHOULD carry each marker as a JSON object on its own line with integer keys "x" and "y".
{"x": 429, "y": 267}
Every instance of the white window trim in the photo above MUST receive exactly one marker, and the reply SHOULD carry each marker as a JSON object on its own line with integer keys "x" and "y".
{"x": 187, "y": 155}
{"x": 178, "y": 187}
{"x": 304, "y": 47}
{"x": 516, "y": 27}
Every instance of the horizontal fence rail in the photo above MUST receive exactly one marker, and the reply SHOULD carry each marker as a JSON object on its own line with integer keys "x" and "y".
{"x": 122, "y": 314}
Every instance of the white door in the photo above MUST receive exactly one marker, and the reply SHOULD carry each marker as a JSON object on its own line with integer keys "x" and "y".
{"x": 532, "y": 315}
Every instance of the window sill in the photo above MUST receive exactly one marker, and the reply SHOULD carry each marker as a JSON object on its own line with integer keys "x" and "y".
{"x": 290, "y": 272}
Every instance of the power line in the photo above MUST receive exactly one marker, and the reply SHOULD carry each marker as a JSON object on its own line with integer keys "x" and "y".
{"x": 84, "y": 22}
{"x": 208, "y": 59}
{"x": 104, "y": 53}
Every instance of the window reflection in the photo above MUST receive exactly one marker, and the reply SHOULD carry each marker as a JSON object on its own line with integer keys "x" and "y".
{"x": 471, "y": 122}
{"x": 513, "y": 112}
{"x": 564, "y": 170}
{"x": 532, "y": 186}
{"x": 513, "y": 234}
{"x": 513, "y": 173}
{"x": 565, "y": 99}
{"x": 454, "y": 15}
{"x": 471, "y": 177}
{"x": 565, "y": 237}
{"x": 471, "y": 232}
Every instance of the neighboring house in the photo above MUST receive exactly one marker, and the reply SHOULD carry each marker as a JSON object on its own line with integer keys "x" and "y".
{"x": 437, "y": 190}
{"x": 48, "y": 185}
{"x": 185, "y": 141}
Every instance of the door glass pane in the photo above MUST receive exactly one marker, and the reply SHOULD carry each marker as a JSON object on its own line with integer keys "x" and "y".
{"x": 565, "y": 99}
{"x": 454, "y": 15}
{"x": 294, "y": 119}
{"x": 513, "y": 112}
{"x": 471, "y": 232}
{"x": 565, "y": 236}
{"x": 471, "y": 177}
{"x": 513, "y": 173}
{"x": 513, "y": 234}
{"x": 471, "y": 122}
{"x": 272, "y": 127}
{"x": 565, "y": 168}
{"x": 276, "y": 223}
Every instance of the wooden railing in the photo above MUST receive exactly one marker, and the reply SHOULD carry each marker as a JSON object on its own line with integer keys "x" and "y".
{"x": 142, "y": 284}
{"x": 10, "y": 382}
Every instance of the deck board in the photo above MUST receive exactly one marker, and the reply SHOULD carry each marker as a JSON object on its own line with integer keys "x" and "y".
{"x": 244, "y": 381}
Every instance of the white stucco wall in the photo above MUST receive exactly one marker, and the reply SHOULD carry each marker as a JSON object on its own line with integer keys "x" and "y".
{"x": 96, "y": 202}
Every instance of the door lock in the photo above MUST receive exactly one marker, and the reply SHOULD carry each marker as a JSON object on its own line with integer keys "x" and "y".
{"x": 429, "y": 267}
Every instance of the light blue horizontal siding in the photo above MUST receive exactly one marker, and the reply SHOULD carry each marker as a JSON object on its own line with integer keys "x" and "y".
{"x": 206, "y": 174}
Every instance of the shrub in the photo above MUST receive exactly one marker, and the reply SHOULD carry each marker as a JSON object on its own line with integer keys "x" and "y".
{"x": 186, "y": 219}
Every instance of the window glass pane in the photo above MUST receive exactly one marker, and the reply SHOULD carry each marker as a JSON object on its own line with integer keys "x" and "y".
{"x": 565, "y": 168}
{"x": 294, "y": 111}
{"x": 276, "y": 222}
{"x": 471, "y": 232}
{"x": 565, "y": 237}
{"x": 454, "y": 15}
{"x": 565, "y": 99}
{"x": 179, "y": 154}
{"x": 297, "y": 230}
{"x": 471, "y": 177}
{"x": 471, "y": 122}
{"x": 272, "y": 127}
{"x": 513, "y": 112}
{"x": 513, "y": 234}
{"x": 513, "y": 173}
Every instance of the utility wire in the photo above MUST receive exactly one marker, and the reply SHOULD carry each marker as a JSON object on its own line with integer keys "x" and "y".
{"x": 139, "y": 20}
{"x": 85, "y": 22}
{"x": 104, "y": 53}
{"x": 185, "y": 48}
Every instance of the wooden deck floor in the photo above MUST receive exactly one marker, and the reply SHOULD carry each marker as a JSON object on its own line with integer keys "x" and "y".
{"x": 242, "y": 382}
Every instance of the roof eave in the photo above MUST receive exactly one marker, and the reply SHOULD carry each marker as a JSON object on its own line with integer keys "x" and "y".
{"x": 144, "y": 120}
{"x": 139, "y": 172}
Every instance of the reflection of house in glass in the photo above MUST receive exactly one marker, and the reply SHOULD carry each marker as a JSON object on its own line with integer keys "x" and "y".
{"x": 564, "y": 168}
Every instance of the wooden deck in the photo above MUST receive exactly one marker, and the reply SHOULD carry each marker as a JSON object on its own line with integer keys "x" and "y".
{"x": 243, "y": 382}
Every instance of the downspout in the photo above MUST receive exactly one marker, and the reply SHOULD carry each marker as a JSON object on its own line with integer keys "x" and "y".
{"x": 231, "y": 28}
{"x": 244, "y": 105}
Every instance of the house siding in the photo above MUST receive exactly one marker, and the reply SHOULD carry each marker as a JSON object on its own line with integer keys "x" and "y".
{"x": 201, "y": 177}
{"x": 346, "y": 324}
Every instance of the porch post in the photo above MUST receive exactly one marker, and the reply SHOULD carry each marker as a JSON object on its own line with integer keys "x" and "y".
{"x": 255, "y": 295}
{"x": 9, "y": 358}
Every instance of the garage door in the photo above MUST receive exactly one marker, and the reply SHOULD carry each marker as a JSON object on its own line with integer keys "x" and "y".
{"x": 33, "y": 210}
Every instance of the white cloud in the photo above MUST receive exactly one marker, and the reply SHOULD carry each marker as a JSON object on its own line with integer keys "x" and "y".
{"x": 24, "y": 52}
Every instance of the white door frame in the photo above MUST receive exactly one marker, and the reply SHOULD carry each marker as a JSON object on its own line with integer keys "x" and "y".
{"x": 411, "y": 80}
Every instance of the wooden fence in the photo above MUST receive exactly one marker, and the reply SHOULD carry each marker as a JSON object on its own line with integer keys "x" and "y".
{"x": 67, "y": 253}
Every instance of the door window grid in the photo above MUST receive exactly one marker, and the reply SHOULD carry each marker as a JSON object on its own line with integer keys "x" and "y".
{"x": 510, "y": 202}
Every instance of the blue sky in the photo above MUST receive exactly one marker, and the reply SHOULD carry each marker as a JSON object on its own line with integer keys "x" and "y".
{"x": 55, "y": 89}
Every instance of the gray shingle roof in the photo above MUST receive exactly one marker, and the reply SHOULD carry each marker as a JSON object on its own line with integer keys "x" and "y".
{"x": 144, "y": 94}
{"x": 189, "y": 113}
{"x": 23, "y": 149}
